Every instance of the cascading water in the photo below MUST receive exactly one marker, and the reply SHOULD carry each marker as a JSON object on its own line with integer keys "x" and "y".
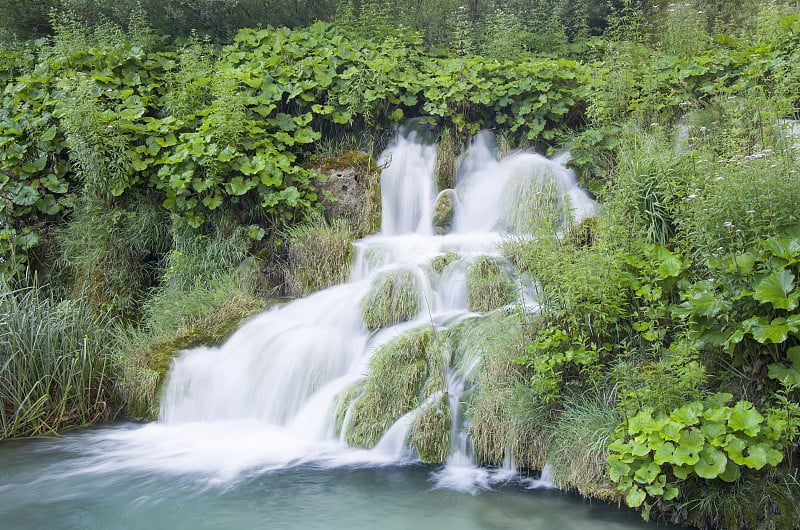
{"x": 267, "y": 398}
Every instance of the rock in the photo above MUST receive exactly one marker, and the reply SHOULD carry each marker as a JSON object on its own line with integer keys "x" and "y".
{"x": 444, "y": 211}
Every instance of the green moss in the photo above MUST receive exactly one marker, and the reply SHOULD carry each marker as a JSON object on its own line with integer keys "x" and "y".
{"x": 392, "y": 388}
{"x": 394, "y": 297}
{"x": 441, "y": 262}
{"x": 488, "y": 285}
{"x": 444, "y": 211}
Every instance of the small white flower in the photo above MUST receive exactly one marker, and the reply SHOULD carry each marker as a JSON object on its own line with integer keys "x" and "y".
{"x": 692, "y": 196}
{"x": 719, "y": 179}
{"x": 727, "y": 224}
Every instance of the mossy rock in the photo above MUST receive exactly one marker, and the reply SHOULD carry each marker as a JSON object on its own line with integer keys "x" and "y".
{"x": 430, "y": 434}
{"x": 394, "y": 297}
{"x": 442, "y": 261}
{"x": 146, "y": 368}
{"x": 392, "y": 388}
{"x": 488, "y": 284}
{"x": 444, "y": 211}
{"x": 344, "y": 401}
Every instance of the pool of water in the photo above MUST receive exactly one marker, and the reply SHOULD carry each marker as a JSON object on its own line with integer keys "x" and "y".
{"x": 79, "y": 481}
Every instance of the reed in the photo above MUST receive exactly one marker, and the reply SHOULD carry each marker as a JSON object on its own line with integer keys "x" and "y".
{"x": 54, "y": 364}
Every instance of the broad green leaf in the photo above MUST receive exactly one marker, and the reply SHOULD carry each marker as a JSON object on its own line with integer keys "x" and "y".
{"x": 712, "y": 463}
{"x": 26, "y": 196}
{"x": 777, "y": 289}
{"x": 647, "y": 473}
{"x": 689, "y": 414}
{"x": 731, "y": 473}
{"x": 761, "y": 454}
{"x": 240, "y": 185}
{"x": 635, "y": 497}
{"x": 744, "y": 418}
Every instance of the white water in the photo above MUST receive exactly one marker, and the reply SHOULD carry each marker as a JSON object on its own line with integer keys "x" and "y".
{"x": 266, "y": 398}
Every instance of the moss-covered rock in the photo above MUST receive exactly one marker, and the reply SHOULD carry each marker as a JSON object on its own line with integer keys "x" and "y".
{"x": 488, "y": 284}
{"x": 442, "y": 261}
{"x": 444, "y": 211}
{"x": 394, "y": 297}
{"x": 430, "y": 434}
{"x": 392, "y": 388}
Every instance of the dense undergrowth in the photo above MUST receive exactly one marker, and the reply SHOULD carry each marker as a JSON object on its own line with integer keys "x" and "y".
{"x": 157, "y": 191}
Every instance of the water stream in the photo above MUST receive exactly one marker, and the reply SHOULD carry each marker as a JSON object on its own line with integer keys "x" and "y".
{"x": 246, "y": 435}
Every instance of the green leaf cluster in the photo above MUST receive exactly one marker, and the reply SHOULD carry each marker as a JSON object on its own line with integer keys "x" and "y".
{"x": 651, "y": 454}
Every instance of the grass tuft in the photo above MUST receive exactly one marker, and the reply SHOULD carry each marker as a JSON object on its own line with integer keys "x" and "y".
{"x": 488, "y": 284}
{"x": 394, "y": 297}
{"x": 319, "y": 255}
{"x": 54, "y": 364}
{"x": 392, "y": 388}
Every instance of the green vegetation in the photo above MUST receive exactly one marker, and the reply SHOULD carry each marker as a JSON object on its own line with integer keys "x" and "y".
{"x": 319, "y": 255}
{"x": 158, "y": 187}
{"x": 488, "y": 284}
{"x": 394, "y": 296}
{"x": 397, "y": 372}
{"x": 55, "y": 359}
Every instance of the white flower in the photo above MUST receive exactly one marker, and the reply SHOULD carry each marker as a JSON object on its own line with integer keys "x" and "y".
{"x": 719, "y": 179}
{"x": 727, "y": 224}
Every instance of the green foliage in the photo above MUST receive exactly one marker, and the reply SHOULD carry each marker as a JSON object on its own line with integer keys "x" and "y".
{"x": 488, "y": 284}
{"x": 750, "y": 307}
{"x": 394, "y": 296}
{"x": 650, "y": 454}
{"x": 580, "y": 437}
{"x": 54, "y": 364}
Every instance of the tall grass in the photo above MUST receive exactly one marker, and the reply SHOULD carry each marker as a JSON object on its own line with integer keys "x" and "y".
{"x": 54, "y": 369}
{"x": 319, "y": 254}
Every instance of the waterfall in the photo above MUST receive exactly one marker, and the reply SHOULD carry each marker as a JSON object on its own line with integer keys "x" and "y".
{"x": 267, "y": 398}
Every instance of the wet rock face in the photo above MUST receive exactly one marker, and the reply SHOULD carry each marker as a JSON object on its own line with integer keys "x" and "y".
{"x": 351, "y": 190}
{"x": 346, "y": 195}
